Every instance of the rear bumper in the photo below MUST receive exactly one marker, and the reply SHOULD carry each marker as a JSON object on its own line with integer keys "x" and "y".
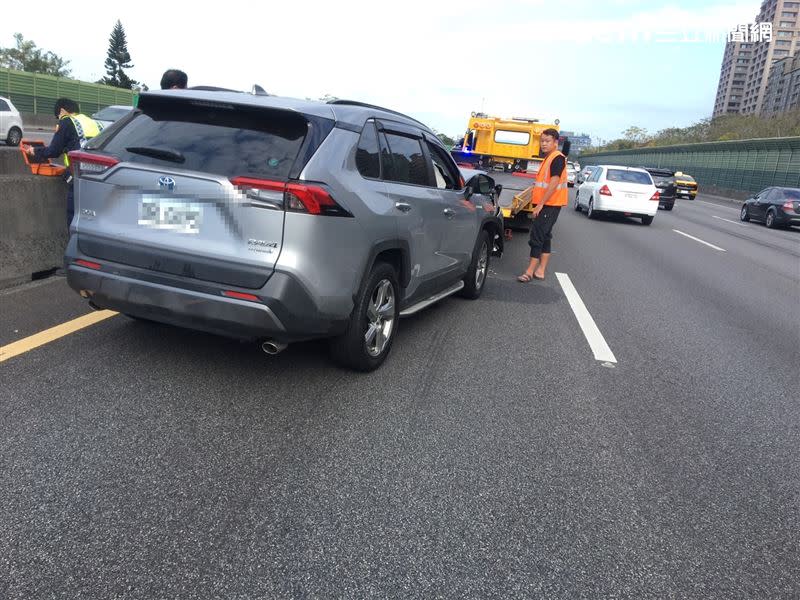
{"x": 286, "y": 312}
{"x": 788, "y": 219}
{"x": 634, "y": 208}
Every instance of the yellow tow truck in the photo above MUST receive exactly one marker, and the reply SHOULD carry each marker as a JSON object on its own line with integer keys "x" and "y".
{"x": 491, "y": 143}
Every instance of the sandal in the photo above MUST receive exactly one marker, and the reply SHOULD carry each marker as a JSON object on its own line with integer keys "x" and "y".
{"x": 535, "y": 276}
{"x": 525, "y": 278}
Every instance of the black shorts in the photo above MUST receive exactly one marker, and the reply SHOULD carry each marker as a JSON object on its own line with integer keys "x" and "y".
{"x": 542, "y": 231}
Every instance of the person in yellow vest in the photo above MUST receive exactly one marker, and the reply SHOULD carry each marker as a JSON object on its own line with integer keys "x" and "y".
{"x": 74, "y": 130}
{"x": 549, "y": 194}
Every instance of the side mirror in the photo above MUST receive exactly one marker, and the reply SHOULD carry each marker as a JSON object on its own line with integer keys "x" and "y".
{"x": 469, "y": 190}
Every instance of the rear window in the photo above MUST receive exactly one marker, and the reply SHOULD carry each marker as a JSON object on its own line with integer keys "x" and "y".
{"x": 629, "y": 176}
{"x": 516, "y": 138}
{"x": 216, "y": 138}
{"x": 790, "y": 194}
{"x": 688, "y": 178}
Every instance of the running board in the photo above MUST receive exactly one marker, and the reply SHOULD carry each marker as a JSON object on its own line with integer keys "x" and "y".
{"x": 414, "y": 309}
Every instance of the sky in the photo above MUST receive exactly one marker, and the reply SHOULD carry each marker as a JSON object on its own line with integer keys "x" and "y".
{"x": 598, "y": 67}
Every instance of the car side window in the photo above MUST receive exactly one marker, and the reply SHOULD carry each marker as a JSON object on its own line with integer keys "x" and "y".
{"x": 368, "y": 152}
{"x": 596, "y": 174}
{"x": 444, "y": 170}
{"x": 4, "y": 107}
{"x": 408, "y": 160}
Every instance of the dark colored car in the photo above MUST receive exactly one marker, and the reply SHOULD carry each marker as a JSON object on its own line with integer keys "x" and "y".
{"x": 667, "y": 190}
{"x": 776, "y": 206}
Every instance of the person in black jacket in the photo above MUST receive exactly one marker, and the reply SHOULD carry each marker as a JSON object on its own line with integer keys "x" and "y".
{"x": 67, "y": 138}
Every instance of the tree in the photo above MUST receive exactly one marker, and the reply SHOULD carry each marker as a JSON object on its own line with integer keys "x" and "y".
{"x": 446, "y": 139}
{"x": 117, "y": 60}
{"x": 27, "y": 57}
{"x": 637, "y": 135}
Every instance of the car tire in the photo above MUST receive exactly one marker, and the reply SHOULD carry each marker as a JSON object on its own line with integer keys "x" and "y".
{"x": 376, "y": 312}
{"x": 590, "y": 211}
{"x": 669, "y": 206}
{"x": 770, "y": 220}
{"x": 576, "y": 203}
{"x": 647, "y": 219}
{"x": 478, "y": 272}
{"x": 744, "y": 215}
{"x": 14, "y": 136}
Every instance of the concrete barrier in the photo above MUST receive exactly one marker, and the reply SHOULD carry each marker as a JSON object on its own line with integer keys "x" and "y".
{"x": 12, "y": 163}
{"x": 33, "y": 228}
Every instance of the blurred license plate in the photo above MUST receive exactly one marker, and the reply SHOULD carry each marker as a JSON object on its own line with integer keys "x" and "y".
{"x": 170, "y": 214}
{"x": 631, "y": 196}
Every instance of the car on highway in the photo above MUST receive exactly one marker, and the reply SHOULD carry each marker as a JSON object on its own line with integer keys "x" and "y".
{"x": 775, "y": 206}
{"x": 686, "y": 185}
{"x": 108, "y": 115}
{"x": 571, "y": 174}
{"x": 667, "y": 190}
{"x": 278, "y": 220}
{"x": 10, "y": 123}
{"x": 628, "y": 191}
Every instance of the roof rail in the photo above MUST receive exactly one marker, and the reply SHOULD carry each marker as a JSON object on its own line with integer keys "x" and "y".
{"x": 211, "y": 88}
{"x": 365, "y": 105}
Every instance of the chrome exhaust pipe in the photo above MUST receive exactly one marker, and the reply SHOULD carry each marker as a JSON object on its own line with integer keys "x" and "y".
{"x": 272, "y": 347}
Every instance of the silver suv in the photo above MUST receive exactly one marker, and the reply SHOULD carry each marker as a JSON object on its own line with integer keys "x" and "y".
{"x": 278, "y": 220}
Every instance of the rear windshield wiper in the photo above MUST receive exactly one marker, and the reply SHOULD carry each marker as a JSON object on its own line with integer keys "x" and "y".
{"x": 162, "y": 153}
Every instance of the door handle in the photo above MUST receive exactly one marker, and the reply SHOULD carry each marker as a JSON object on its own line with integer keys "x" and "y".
{"x": 449, "y": 212}
{"x": 402, "y": 206}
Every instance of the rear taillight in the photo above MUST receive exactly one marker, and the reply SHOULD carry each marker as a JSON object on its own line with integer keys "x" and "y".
{"x": 604, "y": 191}
{"x": 297, "y": 197}
{"x": 788, "y": 206}
{"x": 656, "y": 196}
{"x": 241, "y": 296}
{"x": 87, "y": 163}
{"x": 88, "y": 264}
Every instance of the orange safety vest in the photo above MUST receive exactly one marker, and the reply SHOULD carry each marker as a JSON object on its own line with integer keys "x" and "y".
{"x": 561, "y": 196}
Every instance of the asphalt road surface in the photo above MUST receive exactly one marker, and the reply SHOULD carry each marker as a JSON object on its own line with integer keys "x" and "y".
{"x": 493, "y": 456}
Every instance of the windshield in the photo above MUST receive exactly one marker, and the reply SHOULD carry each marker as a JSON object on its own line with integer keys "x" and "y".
{"x": 111, "y": 113}
{"x": 639, "y": 177}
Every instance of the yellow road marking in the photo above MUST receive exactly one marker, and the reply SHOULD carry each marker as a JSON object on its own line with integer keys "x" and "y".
{"x": 48, "y": 335}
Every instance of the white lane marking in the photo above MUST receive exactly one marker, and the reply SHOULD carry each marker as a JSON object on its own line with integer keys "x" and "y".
{"x": 715, "y": 205}
{"x": 729, "y": 221}
{"x": 596, "y": 340}
{"x": 691, "y": 237}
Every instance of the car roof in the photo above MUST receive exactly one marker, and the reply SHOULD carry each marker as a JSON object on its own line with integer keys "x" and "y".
{"x": 347, "y": 112}
{"x": 638, "y": 169}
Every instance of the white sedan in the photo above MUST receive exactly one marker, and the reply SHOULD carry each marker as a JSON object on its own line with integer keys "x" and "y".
{"x": 624, "y": 190}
